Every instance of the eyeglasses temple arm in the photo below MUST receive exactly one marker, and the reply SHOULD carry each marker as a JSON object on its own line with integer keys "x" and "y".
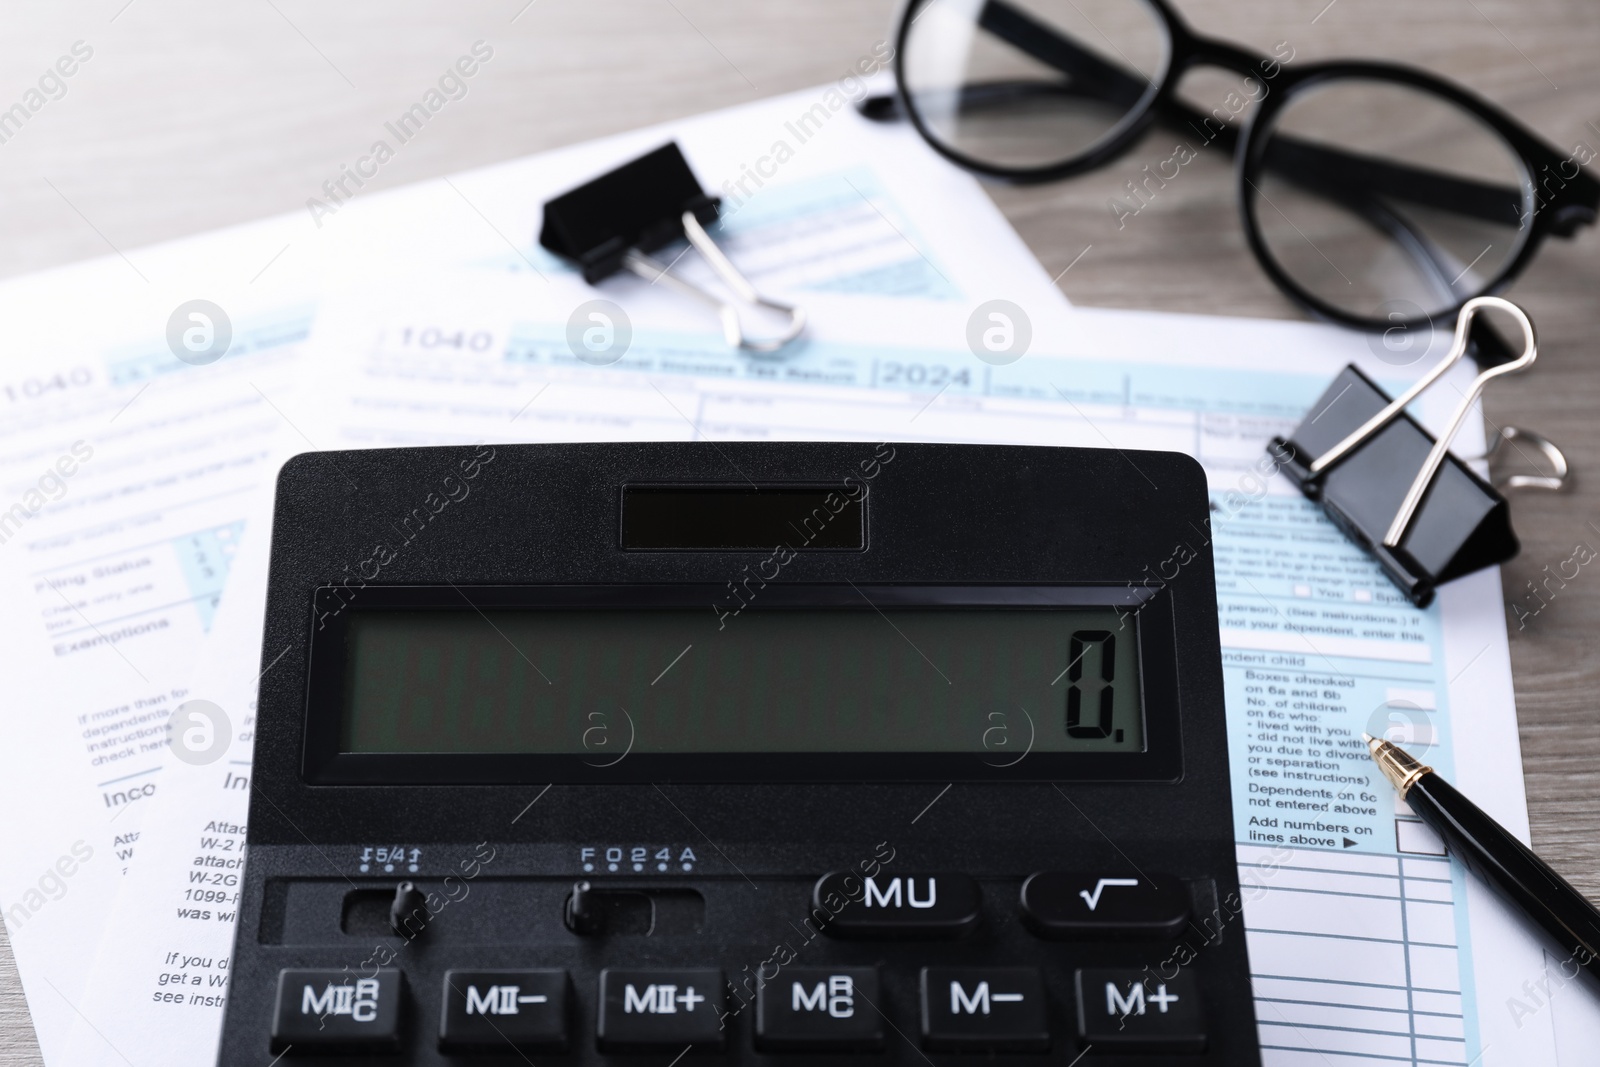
{"x": 1039, "y": 41}
{"x": 1314, "y": 165}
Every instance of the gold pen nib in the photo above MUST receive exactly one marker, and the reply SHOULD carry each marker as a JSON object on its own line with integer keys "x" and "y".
{"x": 1400, "y": 768}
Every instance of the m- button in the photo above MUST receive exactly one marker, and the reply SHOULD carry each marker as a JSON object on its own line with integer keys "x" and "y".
{"x": 643, "y": 1011}
{"x": 898, "y": 906}
{"x": 984, "y": 1009}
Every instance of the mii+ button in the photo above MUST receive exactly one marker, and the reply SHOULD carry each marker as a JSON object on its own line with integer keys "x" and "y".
{"x": 660, "y": 1011}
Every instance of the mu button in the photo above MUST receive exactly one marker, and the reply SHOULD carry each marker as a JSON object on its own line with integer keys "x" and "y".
{"x": 904, "y": 905}
{"x": 1135, "y": 1011}
{"x": 660, "y": 1011}
{"x": 820, "y": 1009}
{"x": 336, "y": 1011}
{"x": 984, "y": 1009}
{"x": 1068, "y": 904}
{"x": 504, "y": 1010}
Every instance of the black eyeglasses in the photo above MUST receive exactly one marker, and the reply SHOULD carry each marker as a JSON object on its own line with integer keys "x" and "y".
{"x": 1376, "y": 195}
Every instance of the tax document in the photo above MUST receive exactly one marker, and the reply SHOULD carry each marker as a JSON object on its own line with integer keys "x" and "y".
{"x": 149, "y": 398}
{"x": 127, "y": 474}
{"x": 1367, "y": 945}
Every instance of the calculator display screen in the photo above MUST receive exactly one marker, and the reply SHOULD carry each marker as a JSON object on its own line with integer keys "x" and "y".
{"x": 992, "y": 681}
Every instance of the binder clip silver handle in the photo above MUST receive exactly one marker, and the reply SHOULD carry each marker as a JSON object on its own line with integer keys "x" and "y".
{"x": 614, "y": 223}
{"x": 1441, "y": 447}
{"x": 1560, "y": 473}
{"x": 652, "y": 270}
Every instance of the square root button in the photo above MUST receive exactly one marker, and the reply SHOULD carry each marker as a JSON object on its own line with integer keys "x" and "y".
{"x": 1068, "y": 904}
{"x": 660, "y": 1011}
{"x": 337, "y": 1011}
{"x": 487, "y": 1011}
{"x": 1135, "y": 1011}
{"x": 984, "y": 1009}
{"x": 820, "y": 1009}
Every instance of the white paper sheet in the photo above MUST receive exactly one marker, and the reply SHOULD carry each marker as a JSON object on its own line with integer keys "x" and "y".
{"x": 127, "y": 474}
{"x": 111, "y": 580}
{"x": 1375, "y": 950}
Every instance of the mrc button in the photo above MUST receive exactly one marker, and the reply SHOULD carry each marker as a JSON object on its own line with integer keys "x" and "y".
{"x": 1134, "y": 1011}
{"x": 336, "y": 1011}
{"x": 1070, "y": 904}
{"x": 660, "y": 1011}
{"x": 820, "y": 1009}
{"x": 488, "y": 1010}
{"x": 898, "y": 906}
{"x": 984, "y": 1009}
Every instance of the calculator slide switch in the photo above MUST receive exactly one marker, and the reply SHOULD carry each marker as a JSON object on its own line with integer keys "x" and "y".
{"x": 1133, "y": 1010}
{"x": 582, "y": 914}
{"x": 1063, "y": 905}
{"x": 337, "y": 1011}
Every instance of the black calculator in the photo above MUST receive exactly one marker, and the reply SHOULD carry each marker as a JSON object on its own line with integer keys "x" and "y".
{"x": 741, "y": 753}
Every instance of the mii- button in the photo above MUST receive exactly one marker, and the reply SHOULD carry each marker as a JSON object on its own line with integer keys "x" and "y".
{"x": 898, "y": 906}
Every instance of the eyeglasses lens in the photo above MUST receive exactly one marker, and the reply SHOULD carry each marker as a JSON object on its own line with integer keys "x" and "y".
{"x": 1386, "y": 201}
{"x": 1030, "y": 84}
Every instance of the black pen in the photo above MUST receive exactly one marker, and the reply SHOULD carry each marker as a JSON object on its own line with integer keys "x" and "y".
{"x": 1489, "y": 851}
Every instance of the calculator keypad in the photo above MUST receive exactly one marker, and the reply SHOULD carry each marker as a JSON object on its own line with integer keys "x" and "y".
{"x": 916, "y": 971}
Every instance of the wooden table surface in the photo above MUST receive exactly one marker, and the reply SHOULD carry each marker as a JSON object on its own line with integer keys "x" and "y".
{"x": 192, "y": 115}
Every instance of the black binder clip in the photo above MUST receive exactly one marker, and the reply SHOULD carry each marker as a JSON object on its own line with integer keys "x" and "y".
{"x": 614, "y": 222}
{"x": 1400, "y": 494}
